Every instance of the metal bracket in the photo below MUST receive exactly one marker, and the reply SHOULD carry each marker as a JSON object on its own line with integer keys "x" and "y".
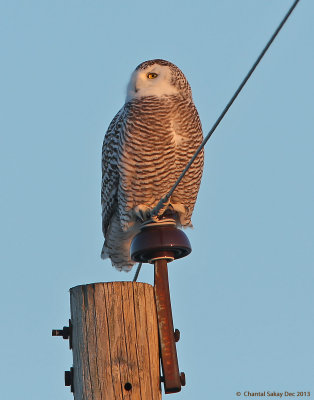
{"x": 167, "y": 335}
{"x": 160, "y": 243}
{"x": 69, "y": 379}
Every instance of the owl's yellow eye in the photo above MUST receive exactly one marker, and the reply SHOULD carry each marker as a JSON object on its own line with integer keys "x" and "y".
{"x": 152, "y": 75}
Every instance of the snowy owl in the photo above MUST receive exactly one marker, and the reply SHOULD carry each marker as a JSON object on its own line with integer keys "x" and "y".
{"x": 146, "y": 147}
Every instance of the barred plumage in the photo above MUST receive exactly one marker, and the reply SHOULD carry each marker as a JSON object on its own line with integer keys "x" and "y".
{"x": 146, "y": 147}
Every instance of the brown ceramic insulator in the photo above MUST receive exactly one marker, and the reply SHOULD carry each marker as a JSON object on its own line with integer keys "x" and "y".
{"x": 159, "y": 238}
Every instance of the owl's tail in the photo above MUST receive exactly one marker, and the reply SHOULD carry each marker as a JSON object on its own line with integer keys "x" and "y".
{"x": 104, "y": 252}
{"x": 117, "y": 245}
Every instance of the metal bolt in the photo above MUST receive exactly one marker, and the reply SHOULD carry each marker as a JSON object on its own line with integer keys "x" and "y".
{"x": 66, "y": 333}
{"x": 176, "y": 334}
{"x": 182, "y": 378}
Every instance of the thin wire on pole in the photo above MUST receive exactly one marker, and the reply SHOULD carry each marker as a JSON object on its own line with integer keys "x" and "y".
{"x": 137, "y": 272}
{"x": 164, "y": 200}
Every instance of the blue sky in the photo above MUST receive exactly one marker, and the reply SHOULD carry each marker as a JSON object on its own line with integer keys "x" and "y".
{"x": 243, "y": 300}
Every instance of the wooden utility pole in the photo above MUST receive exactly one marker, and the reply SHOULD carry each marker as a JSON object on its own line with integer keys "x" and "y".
{"x": 120, "y": 332}
{"x": 115, "y": 342}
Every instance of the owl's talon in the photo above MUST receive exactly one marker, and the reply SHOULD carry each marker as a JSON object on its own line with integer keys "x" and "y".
{"x": 142, "y": 212}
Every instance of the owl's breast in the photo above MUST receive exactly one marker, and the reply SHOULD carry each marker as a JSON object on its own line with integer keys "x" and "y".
{"x": 158, "y": 139}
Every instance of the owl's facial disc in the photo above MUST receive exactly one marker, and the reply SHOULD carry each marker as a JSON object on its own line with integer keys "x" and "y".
{"x": 155, "y": 80}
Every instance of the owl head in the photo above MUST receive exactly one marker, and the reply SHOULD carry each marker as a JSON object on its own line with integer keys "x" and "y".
{"x": 157, "y": 78}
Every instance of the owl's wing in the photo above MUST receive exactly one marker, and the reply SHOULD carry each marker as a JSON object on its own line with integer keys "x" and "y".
{"x": 110, "y": 173}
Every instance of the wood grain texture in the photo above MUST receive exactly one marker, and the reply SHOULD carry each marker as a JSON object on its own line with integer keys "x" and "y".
{"x": 115, "y": 342}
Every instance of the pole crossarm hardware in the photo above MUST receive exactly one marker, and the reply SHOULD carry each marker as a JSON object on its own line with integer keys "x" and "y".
{"x": 159, "y": 244}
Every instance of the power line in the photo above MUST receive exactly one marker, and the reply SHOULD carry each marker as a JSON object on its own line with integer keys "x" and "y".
{"x": 164, "y": 200}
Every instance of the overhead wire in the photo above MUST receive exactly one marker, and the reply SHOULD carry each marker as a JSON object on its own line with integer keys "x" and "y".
{"x": 165, "y": 199}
